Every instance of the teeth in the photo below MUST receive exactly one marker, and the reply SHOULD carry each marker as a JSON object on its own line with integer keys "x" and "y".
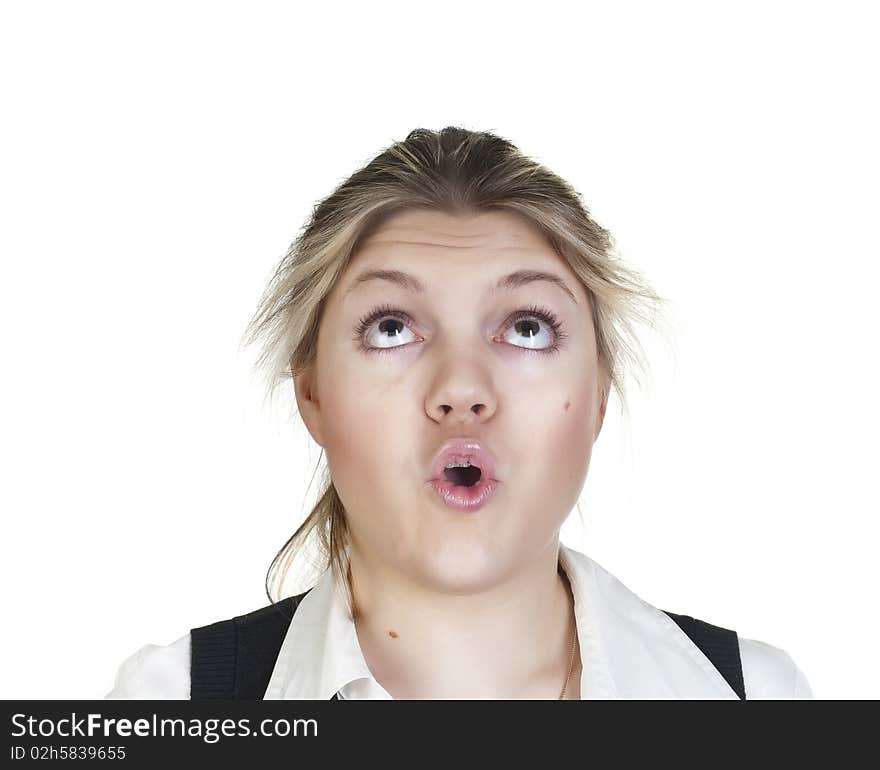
{"x": 459, "y": 465}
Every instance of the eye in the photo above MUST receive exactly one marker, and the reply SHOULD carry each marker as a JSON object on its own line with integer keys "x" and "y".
{"x": 385, "y": 335}
{"x": 537, "y": 327}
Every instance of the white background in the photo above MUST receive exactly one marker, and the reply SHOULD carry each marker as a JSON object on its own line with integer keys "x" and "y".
{"x": 157, "y": 160}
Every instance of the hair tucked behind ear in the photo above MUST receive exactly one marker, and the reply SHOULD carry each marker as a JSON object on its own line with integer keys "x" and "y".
{"x": 454, "y": 171}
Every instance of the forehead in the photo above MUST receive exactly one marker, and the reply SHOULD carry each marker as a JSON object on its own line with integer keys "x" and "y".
{"x": 487, "y": 252}
{"x": 485, "y": 231}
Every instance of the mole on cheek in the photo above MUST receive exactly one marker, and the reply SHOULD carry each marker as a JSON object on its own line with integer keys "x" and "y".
{"x": 392, "y": 634}
{"x": 567, "y": 404}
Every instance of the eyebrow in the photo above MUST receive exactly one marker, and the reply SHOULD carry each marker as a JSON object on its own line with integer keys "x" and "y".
{"x": 508, "y": 282}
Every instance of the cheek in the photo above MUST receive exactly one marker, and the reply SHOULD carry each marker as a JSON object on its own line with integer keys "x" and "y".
{"x": 361, "y": 424}
{"x": 574, "y": 438}
{"x": 355, "y": 436}
{"x": 562, "y": 439}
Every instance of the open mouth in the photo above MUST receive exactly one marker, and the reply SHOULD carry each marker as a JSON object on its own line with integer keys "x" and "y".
{"x": 462, "y": 474}
{"x": 464, "y": 487}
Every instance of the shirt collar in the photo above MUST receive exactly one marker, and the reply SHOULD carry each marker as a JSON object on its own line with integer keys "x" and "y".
{"x": 629, "y": 649}
{"x": 320, "y": 653}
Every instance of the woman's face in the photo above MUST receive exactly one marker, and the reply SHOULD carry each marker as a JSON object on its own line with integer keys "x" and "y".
{"x": 450, "y": 361}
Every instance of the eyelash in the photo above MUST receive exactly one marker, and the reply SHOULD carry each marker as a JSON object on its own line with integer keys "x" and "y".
{"x": 540, "y": 312}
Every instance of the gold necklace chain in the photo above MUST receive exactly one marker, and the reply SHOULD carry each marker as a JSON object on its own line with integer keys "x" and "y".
{"x": 570, "y": 662}
{"x": 573, "y": 643}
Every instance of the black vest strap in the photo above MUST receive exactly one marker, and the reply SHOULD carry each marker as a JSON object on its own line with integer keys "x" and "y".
{"x": 719, "y": 645}
{"x": 234, "y": 659}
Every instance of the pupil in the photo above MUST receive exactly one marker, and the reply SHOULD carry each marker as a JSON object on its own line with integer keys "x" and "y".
{"x": 384, "y": 326}
{"x": 528, "y": 334}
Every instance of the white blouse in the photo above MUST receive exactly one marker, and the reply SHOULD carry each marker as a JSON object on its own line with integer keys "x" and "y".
{"x": 629, "y": 649}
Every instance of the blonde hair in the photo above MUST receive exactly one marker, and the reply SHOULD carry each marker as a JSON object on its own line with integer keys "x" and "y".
{"x": 455, "y": 171}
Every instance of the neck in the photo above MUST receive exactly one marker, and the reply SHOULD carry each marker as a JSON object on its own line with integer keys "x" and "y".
{"x": 511, "y": 640}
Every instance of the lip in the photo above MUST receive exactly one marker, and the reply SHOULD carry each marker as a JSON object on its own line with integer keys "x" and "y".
{"x": 466, "y": 499}
{"x": 463, "y": 498}
{"x": 461, "y": 450}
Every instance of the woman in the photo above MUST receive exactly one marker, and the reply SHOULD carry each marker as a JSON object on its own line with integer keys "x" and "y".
{"x": 453, "y": 321}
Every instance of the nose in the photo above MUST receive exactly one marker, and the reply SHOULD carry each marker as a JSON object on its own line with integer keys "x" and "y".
{"x": 475, "y": 408}
{"x": 462, "y": 396}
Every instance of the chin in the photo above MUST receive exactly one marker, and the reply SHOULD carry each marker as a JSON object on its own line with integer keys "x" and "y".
{"x": 461, "y": 568}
